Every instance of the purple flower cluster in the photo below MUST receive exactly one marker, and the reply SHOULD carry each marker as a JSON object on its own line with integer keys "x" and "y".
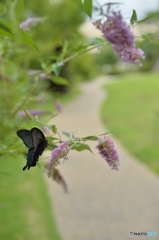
{"x": 107, "y": 150}
{"x": 116, "y": 31}
{"x": 30, "y": 22}
{"x": 59, "y": 152}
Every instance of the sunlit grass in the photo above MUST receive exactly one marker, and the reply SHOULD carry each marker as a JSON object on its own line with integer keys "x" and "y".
{"x": 25, "y": 210}
{"x": 131, "y": 113}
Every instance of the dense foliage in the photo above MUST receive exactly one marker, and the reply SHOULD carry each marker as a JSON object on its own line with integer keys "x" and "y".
{"x": 29, "y": 67}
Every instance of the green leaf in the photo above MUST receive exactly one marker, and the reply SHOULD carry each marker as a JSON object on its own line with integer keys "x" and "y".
{"x": 60, "y": 80}
{"x": 93, "y": 138}
{"x": 51, "y": 146}
{"x": 50, "y": 138}
{"x": 133, "y": 18}
{"x": 46, "y": 67}
{"x": 81, "y": 146}
{"x": 103, "y": 134}
{"x": 95, "y": 41}
{"x": 54, "y": 129}
{"x": 18, "y": 6}
{"x": 5, "y": 29}
{"x": 66, "y": 134}
{"x": 77, "y": 2}
{"x": 65, "y": 46}
{"x": 87, "y": 7}
{"x": 5, "y": 33}
{"x": 27, "y": 40}
{"x": 149, "y": 17}
{"x": 56, "y": 68}
{"x": 77, "y": 138}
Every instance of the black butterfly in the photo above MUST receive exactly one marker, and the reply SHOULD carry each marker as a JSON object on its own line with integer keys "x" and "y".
{"x": 33, "y": 139}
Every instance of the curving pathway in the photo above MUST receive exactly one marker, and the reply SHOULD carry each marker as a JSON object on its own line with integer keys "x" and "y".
{"x": 102, "y": 204}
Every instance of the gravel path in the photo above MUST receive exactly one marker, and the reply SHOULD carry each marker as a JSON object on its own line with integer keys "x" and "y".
{"x": 102, "y": 204}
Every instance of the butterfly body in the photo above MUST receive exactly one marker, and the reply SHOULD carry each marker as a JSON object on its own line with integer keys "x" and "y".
{"x": 35, "y": 141}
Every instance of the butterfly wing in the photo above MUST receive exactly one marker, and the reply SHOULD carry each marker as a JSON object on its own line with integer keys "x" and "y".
{"x": 26, "y": 137}
{"x": 39, "y": 150}
{"x": 38, "y": 139}
{"x": 34, "y": 139}
{"x": 33, "y": 155}
{"x": 31, "y": 160}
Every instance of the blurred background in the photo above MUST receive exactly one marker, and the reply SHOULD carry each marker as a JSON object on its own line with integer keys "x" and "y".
{"x": 129, "y": 108}
{"x": 143, "y": 8}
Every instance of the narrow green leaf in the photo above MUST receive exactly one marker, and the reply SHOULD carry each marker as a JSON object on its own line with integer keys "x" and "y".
{"x": 60, "y": 80}
{"x": 50, "y": 138}
{"x": 81, "y": 146}
{"x": 18, "y": 8}
{"x": 46, "y": 67}
{"x": 93, "y": 138}
{"x": 54, "y": 129}
{"x": 5, "y": 28}
{"x": 65, "y": 46}
{"x": 87, "y": 7}
{"x": 133, "y": 18}
{"x": 66, "y": 134}
{"x": 95, "y": 41}
{"x": 27, "y": 40}
{"x": 103, "y": 134}
{"x": 5, "y": 33}
{"x": 149, "y": 17}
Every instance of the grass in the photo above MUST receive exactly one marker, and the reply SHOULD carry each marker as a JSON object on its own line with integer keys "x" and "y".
{"x": 24, "y": 204}
{"x": 131, "y": 113}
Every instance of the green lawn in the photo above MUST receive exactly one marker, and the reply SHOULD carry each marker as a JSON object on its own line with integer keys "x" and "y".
{"x": 25, "y": 211}
{"x": 131, "y": 113}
